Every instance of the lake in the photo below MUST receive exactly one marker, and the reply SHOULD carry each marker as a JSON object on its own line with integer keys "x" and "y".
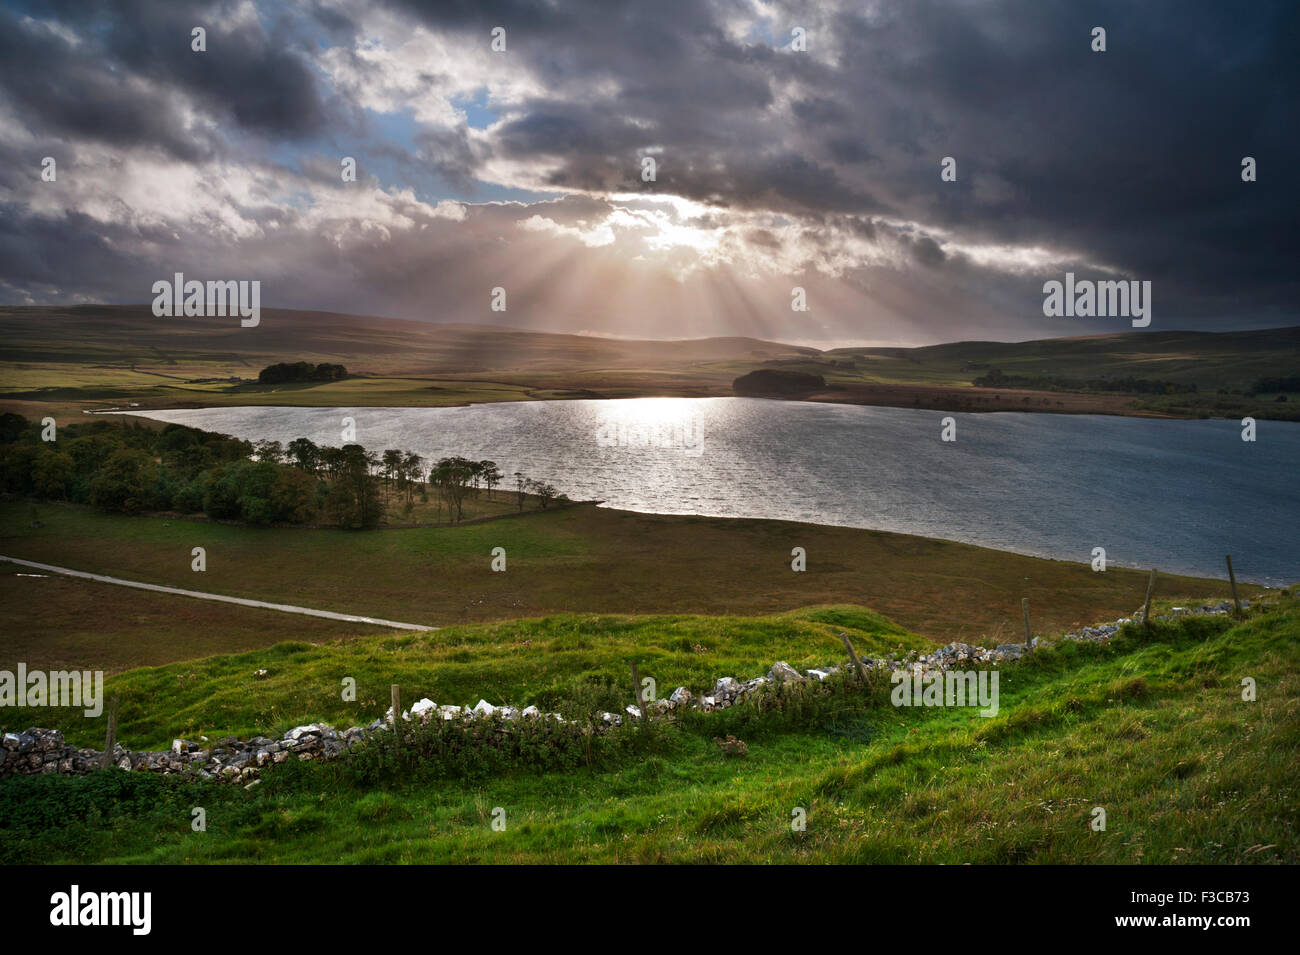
{"x": 1177, "y": 495}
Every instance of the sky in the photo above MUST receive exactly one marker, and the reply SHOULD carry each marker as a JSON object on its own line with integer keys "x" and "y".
{"x": 795, "y": 145}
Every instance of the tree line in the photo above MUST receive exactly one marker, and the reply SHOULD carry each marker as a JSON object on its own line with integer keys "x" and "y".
{"x": 996, "y": 378}
{"x": 285, "y": 371}
{"x": 1266, "y": 386}
{"x": 131, "y": 468}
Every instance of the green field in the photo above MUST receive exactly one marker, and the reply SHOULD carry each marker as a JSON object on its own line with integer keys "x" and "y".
{"x": 1152, "y": 728}
{"x": 580, "y": 559}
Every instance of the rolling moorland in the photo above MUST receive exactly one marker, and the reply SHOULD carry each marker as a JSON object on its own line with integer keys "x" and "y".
{"x": 1207, "y": 777}
{"x": 62, "y": 361}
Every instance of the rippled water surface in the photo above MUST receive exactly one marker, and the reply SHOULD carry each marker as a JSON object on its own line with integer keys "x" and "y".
{"x": 1177, "y": 495}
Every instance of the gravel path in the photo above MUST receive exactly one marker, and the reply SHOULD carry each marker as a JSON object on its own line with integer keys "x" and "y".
{"x": 284, "y": 608}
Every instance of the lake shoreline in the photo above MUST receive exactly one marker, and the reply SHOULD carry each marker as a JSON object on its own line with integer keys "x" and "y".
{"x": 1007, "y": 480}
{"x": 577, "y": 560}
{"x": 907, "y": 397}
{"x": 201, "y": 519}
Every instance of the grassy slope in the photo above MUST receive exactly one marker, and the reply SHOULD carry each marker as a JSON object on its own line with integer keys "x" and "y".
{"x": 583, "y": 558}
{"x": 1151, "y": 729}
{"x": 570, "y": 661}
{"x": 1211, "y": 361}
{"x": 1235, "y": 359}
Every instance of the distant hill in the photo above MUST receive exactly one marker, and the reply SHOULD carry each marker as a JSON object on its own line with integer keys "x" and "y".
{"x": 70, "y": 359}
{"x": 1212, "y": 360}
{"x": 366, "y": 344}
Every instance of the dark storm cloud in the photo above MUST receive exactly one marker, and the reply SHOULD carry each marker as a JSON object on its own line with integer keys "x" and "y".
{"x": 59, "y": 90}
{"x": 1131, "y": 156}
{"x": 451, "y": 152}
{"x": 926, "y": 251}
{"x": 1128, "y": 159}
{"x": 682, "y": 83}
{"x": 120, "y": 81}
{"x": 71, "y": 258}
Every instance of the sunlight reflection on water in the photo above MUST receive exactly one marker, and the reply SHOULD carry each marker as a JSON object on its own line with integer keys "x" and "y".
{"x": 1173, "y": 494}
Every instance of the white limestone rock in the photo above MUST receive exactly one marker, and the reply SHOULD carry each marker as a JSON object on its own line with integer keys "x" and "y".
{"x": 782, "y": 672}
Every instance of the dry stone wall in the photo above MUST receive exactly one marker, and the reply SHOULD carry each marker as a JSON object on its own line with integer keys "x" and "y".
{"x": 38, "y": 750}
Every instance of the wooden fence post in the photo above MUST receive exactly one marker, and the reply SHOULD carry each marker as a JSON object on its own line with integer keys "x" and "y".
{"x": 853, "y": 655}
{"x": 1024, "y": 609}
{"x": 397, "y": 709}
{"x": 1146, "y": 610}
{"x": 641, "y": 704}
{"x": 110, "y": 739}
{"x": 1233, "y": 577}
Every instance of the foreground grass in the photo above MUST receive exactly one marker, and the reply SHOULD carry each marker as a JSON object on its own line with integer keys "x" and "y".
{"x": 571, "y": 663}
{"x": 1151, "y": 728}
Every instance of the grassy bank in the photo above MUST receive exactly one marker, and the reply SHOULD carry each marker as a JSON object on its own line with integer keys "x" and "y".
{"x": 569, "y": 662}
{"x": 1151, "y": 727}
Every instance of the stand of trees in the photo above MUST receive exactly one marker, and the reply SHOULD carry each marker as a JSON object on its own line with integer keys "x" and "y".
{"x": 777, "y": 381}
{"x": 286, "y": 371}
{"x": 1268, "y": 386}
{"x": 130, "y": 468}
{"x": 545, "y": 493}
